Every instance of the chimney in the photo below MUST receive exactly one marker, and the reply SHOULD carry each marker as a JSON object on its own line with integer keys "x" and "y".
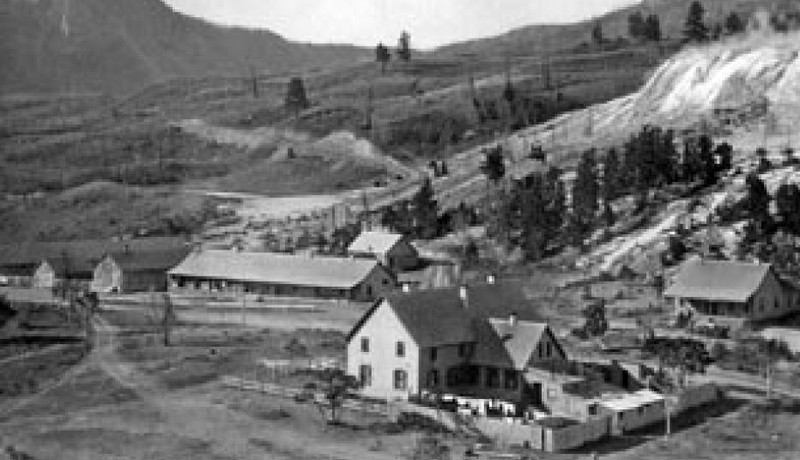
{"x": 512, "y": 319}
{"x": 463, "y": 294}
{"x": 490, "y": 278}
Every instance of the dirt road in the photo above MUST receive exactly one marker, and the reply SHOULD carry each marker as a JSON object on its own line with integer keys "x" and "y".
{"x": 188, "y": 423}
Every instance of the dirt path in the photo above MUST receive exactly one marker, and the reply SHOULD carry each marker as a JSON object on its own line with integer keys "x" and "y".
{"x": 195, "y": 416}
{"x": 32, "y": 354}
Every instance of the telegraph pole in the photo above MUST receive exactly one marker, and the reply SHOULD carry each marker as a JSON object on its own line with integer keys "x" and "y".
{"x": 369, "y": 109}
{"x": 254, "y": 81}
{"x": 244, "y": 307}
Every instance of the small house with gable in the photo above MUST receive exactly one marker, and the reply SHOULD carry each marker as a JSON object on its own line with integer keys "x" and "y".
{"x": 392, "y": 250}
{"x": 748, "y": 291}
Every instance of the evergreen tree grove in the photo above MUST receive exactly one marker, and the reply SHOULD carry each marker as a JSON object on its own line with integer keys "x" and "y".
{"x": 695, "y": 29}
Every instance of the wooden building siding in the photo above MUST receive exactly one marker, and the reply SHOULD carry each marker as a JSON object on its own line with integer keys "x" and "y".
{"x": 377, "y": 283}
{"x": 772, "y": 299}
{"x": 110, "y": 277}
{"x": 44, "y": 277}
{"x": 382, "y": 333}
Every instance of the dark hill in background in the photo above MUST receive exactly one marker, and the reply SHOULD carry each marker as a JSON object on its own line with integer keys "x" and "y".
{"x": 124, "y": 45}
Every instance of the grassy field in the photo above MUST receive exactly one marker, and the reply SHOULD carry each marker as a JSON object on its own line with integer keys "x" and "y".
{"x": 124, "y": 164}
{"x": 134, "y": 398}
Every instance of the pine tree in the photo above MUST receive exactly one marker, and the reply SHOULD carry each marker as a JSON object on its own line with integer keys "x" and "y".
{"x": 636, "y": 25}
{"x": 734, "y": 24}
{"x": 296, "y": 99}
{"x": 695, "y": 29}
{"x": 611, "y": 176}
{"x": 383, "y": 56}
{"x": 585, "y": 194}
{"x": 425, "y": 210}
{"x": 652, "y": 28}
{"x": 597, "y": 34}
{"x": 724, "y": 155}
{"x": 404, "y": 47}
{"x": 757, "y": 203}
{"x": 493, "y": 166}
{"x": 707, "y": 160}
{"x": 787, "y": 201}
{"x": 534, "y": 240}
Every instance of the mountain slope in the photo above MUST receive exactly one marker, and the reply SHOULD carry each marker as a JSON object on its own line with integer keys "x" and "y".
{"x": 538, "y": 39}
{"x": 123, "y": 45}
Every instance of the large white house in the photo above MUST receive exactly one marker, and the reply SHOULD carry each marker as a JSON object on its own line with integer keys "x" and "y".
{"x": 477, "y": 340}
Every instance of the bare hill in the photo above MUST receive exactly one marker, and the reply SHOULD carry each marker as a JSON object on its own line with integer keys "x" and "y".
{"x": 123, "y": 45}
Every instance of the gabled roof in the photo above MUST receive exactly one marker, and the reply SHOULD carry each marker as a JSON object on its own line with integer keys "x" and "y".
{"x": 519, "y": 340}
{"x": 439, "y": 317}
{"x": 718, "y": 280}
{"x": 150, "y": 260}
{"x": 374, "y": 242}
{"x": 284, "y": 269}
{"x": 69, "y": 267}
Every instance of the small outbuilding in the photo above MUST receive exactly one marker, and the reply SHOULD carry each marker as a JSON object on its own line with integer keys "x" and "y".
{"x": 54, "y": 272}
{"x": 393, "y": 250}
{"x": 136, "y": 271}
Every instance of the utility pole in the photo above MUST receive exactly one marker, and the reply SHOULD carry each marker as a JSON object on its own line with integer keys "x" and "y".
{"x": 244, "y": 307}
{"x": 254, "y": 81}
{"x": 369, "y": 109}
{"x": 167, "y": 320}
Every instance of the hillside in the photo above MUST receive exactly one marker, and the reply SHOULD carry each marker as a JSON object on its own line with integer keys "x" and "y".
{"x": 123, "y": 45}
{"x": 541, "y": 39}
{"x": 214, "y": 134}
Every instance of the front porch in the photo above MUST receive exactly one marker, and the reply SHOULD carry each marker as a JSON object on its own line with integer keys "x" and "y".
{"x": 722, "y": 309}
{"x": 490, "y": 384}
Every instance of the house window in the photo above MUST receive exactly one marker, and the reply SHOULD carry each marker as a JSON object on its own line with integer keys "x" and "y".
{"x": 434, "y": 353}
{"x": 433, "y": 378}
{"x": 464, "y": 350}
{"x": 401, "y": 349}
{"x": 492, "y": 379}
{"x": 365, "y": 375}
{"x": 400, "y": 379}
{"x": 592, "y": 409}
{"x": 777, "y": 304}
{"x": 365, "y": 344}
{"x": 549, "y": 349}
{"x": 510, "y": 378}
